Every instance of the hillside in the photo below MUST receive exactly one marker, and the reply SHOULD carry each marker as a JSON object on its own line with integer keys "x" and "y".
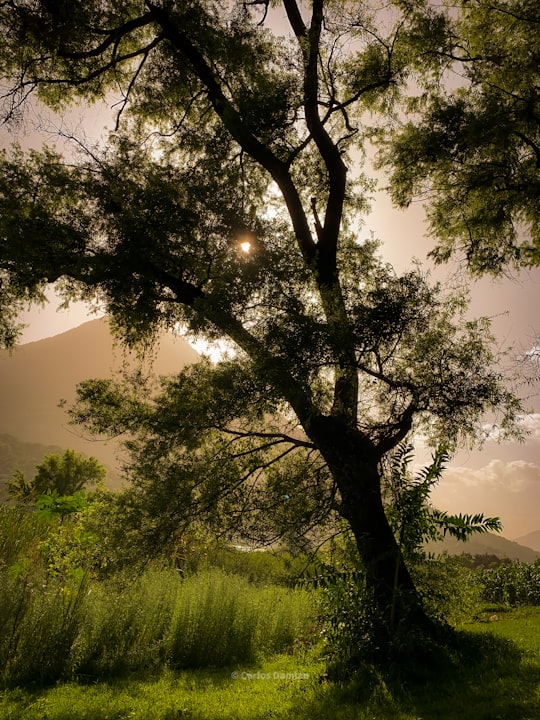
{"x": 488, "y": 544}
{"x": 18, "y": 455}
{"x": 532, "y": 540}
{"x": 35, "y": 377}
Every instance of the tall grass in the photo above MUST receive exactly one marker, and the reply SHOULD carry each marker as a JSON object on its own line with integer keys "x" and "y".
{"x": 51, "y": 631}
{"x": 39, "y": 622}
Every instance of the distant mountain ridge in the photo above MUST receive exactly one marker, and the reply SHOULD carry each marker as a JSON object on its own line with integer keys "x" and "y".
{"x": 35, "y": 377}
{"x": 486, "y": 544}
{"x": 18, "y": 455}
{"x": 531, "y": 539}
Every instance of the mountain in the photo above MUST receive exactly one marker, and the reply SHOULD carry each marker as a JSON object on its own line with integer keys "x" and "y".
{"x": 531, "y": 539}
{"x": 487, "y": 544}
{"x": 35, "y": 377}
{"x": 18, "y": 455}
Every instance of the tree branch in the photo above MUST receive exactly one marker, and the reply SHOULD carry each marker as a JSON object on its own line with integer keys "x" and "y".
{"x": 113, "y": 36}
{"x": 232, "y": 120}
{"x": 337, "y": 172}
{"x": 278, "y": 437}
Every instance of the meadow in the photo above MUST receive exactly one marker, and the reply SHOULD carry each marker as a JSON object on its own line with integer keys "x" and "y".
{"x": 504, "y": 686}
{"x": 235, "y": 638}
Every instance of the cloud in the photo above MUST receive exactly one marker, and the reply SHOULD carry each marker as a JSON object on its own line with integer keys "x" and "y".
{"x": 531, "y": 423}
{"x": 511, "y": 477}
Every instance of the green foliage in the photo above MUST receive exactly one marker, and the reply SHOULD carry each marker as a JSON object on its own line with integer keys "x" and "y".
{"x": 101, "y": 538}
{"x": 58, "y": 475}
{"x": 21, "y": 533}
{"x": 451, "y": 594}
{"x": 276, "y": 566}
{"x": 512, "y": 584}
{"x": 158, "y": 620}
{"x": 39, "y": 615}
{"x": 258, "y": 479}
{"x": 57, "y": 620}
{"x": 450, "y": 591}
{"x": 412, "y": 517}
{"x": 52, "y": 504}
{"x": 40, "y": 623}
{"x": 226, "y": 131}
{"x": 473, "y": 151}
{"x": 350, "y": 623}
{"x": 67, "y": 474}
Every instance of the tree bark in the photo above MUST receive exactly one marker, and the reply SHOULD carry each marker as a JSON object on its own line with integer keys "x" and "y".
{"x": 354, "y": 463}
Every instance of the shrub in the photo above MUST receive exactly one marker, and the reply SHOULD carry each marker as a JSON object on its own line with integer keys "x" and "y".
{"x": 450, "y": 592}
{"x": 262, "y": 567}
{"x": 39, "y": 624}
{"x": 221, "y": 619}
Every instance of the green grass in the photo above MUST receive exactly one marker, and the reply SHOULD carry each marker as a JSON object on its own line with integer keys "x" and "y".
{"x": 505, "y": 685}
{"x": 95, "y": 630}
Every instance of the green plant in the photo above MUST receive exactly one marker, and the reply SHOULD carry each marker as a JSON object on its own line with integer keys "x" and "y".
{"x": 449, "y": 590}
{"x": 221, "y": 619}
{"x": 21, "y": 533}
{"x": 40, "y": 620}
{"x": 512, "y": 584}
{"x": 65, "y": 475}
{"x": 55, "y": 628}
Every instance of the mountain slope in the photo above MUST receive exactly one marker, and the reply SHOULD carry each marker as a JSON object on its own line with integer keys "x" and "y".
{"x": 488, "y": 544}
{"x": 35, "y": 377}
{"x": 531, "y": 539}
{"x": 18, "y": 455}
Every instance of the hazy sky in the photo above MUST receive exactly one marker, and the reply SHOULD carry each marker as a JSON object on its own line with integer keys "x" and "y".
{"x": 501, "y": 480}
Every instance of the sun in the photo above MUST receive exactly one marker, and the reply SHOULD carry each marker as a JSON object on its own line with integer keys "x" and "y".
{"x": 245, "y": 246}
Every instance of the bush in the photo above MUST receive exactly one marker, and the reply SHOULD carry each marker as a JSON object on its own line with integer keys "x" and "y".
{"x": 450, "y": 592}
{"x": 39, "y": 615}
{"x": 261, "y": 567}
{"x": 21, "y": 533}
{"x": 221, "y": 620}
{"x": 39, "y": 624}
{"x": 348, "y": 625}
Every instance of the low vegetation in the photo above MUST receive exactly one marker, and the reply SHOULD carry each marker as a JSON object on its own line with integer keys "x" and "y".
{"x": 63, "y": 626}
{"x": 213, "y": 631}
{"x": 498, "y": 679}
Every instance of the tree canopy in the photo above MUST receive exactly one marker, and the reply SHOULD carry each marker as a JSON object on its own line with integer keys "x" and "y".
{"x": 229, "y": 200}
{"x": 65, "y": 474}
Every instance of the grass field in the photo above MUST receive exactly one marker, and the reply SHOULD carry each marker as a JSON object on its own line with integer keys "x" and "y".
{"x": 504, "y": 687}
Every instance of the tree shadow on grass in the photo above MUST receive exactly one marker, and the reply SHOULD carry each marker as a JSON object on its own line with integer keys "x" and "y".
{"x": 478, "y": 677}
{"x": 482, "y": 677}
{"x": 490, "y": 678}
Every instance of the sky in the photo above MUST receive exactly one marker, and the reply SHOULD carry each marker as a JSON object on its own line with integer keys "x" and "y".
{"x": 499, "y": 479}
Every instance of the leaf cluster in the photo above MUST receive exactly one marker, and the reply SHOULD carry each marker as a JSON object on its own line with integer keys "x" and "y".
{"x": 412, "y": 516}
{"x": 472, "y": 148}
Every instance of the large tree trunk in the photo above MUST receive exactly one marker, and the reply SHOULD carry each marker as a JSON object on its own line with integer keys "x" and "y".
{"x": 355, "y": 466}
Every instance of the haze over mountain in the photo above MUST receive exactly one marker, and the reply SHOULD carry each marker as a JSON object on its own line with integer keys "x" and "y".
{"x": 35, "y": 377}
{"x": 531, "y": 539}
{"x": 486, "y": 544}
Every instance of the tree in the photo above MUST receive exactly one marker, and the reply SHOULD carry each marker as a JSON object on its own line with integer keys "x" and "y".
{"x": 224, "y": 203}
{"x": 65, "y": 475}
